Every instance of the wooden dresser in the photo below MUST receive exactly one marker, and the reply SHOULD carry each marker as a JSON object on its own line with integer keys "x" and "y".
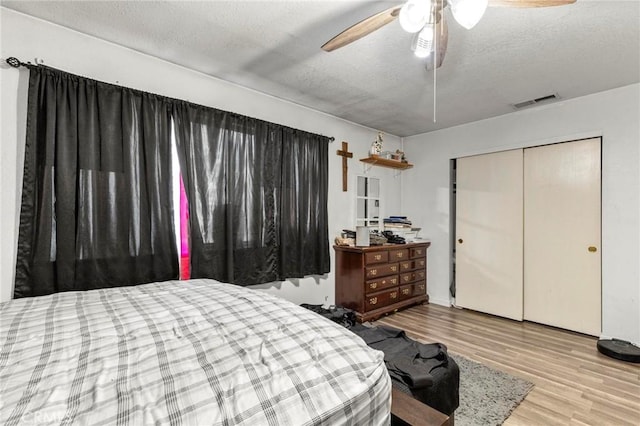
{"x": 376, "y": 280}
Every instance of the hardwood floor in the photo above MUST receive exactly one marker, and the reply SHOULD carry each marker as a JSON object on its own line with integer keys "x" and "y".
{"x": 574, "y": 383}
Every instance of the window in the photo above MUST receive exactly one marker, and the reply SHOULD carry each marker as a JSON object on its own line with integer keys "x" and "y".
{"x": 256, "y": 192}
{"x": 96, "y": 208}
{"x": 257, "y": 195}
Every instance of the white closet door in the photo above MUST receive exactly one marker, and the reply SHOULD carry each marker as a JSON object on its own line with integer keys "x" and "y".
{"x": 489, "y": 233}
{"x": 562, "y": 278}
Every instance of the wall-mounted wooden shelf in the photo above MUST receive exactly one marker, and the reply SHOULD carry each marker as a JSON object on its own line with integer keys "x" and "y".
{"x": 383, "y": 162}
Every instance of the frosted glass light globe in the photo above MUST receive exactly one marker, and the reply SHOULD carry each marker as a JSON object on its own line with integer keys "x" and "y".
{"x": 414, "y": 14}
{"x": 467, "y": 12}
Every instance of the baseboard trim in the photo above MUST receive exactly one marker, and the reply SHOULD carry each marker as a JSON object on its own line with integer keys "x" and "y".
{"x": 441, "y": 302}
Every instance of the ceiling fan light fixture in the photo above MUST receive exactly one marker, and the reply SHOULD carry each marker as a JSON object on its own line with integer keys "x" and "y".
{"x": 468, "y": 12}
{"x": 422, "y": 44}
{"x": 414, "y": 14}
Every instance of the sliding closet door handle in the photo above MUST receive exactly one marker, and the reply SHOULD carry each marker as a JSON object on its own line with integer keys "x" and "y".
{"x": 592, "y": 249}
{"x": 460, "y": 240}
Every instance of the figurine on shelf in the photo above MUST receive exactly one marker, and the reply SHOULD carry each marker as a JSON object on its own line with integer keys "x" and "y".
{"x": 376, "y": 146}
{"x": 400, "y": 156}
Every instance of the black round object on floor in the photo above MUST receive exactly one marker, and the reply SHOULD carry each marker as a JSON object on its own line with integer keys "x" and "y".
{"x": 619, "y": 349}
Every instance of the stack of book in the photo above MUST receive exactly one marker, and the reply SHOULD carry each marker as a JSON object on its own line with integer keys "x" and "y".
{"x": 401, "y": 225}
{"x": 397, "y": 222}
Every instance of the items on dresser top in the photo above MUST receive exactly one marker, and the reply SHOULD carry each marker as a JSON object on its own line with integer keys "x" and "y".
{"x": 393, "y": 238}
{"x": 364, "y": 237}
{"x": 374, "y": 281}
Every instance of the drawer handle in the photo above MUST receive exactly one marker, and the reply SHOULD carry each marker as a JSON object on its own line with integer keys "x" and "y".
{"x": 373, "y": 286}
{"x": 392, "y": 281}
{"x": 418, "y": 251}
{"x": 421, "y": 287}
{"x": 400, "y": 255}
{"x": 394, "y": 268}
{"x": 374, "y": 272}
{"x": 405, "y": 291}
{"x": 393, "y": 295}
{"x": 422, "y": 263}
{"x": 406, "y": 278}
{"x": 421, "y": 274}
{"x": 373, "y": 300}
{"x": 378, "y": 257}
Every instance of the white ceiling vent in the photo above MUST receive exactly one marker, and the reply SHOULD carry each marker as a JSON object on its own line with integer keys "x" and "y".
{"x": 542, "y": 100}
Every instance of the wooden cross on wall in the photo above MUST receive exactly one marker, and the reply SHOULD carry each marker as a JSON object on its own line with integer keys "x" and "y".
{"x": 345, "y": 154}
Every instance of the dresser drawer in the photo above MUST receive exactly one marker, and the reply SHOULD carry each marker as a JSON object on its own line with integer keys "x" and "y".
{"x": 381, "y": 284}
{"x": 410, "y": 265}
{"x": 398, "y": 254}
{"x": 417, "y": 252}
{"x": 409, "y": 277}
{"x": 381, "y": 299}
{"x": 381, "y": 270}
{"x": 376, "y": 257}
{"x": 406, "y": 291}
{"x": 419, "y": 288}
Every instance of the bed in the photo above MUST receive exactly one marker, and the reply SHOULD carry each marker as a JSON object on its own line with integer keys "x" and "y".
{"x": 183, "y": 352}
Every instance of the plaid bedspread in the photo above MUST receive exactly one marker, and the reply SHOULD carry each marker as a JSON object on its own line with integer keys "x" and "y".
{"x": 193, "y": 352}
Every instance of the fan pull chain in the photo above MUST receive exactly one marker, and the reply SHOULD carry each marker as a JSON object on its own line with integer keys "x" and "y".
{"x": 434, "y": 92}
{"x": 435, "y": 67}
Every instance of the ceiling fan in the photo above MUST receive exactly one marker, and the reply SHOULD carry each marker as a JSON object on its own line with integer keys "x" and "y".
{"x": 425, "y": 18}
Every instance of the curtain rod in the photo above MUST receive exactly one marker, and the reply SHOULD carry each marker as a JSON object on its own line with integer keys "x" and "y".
{"x": 17, "y": 63}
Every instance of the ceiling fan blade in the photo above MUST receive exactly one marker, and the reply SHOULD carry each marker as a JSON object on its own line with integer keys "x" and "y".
{"x": 441, "y": 39}
{"x": 529, "y": 3}
{"x": 362, "y": 28}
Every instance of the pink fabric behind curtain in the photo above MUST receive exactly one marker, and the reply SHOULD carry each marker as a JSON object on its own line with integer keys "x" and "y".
{"x": 184, "y": 234}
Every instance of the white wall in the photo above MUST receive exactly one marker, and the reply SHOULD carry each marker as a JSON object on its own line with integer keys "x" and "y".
{"x": 614, "y": 115}
{"x": 28, "y": 38}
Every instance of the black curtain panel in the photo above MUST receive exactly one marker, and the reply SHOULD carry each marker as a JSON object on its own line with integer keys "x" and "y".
{"x": 96, "y": 202}
{"x": 302, "y": 220}
{"x": 257, "y": 196}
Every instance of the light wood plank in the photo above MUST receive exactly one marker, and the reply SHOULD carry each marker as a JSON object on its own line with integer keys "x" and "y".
{"x": 574, "y": 383}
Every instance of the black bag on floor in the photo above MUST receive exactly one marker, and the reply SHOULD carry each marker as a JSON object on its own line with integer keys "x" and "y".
{"x": 424, "y": 371}
{"x": 343, "y": 316}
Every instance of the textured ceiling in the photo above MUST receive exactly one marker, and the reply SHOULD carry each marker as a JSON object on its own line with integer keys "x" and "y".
{"x": 511, "y": 56}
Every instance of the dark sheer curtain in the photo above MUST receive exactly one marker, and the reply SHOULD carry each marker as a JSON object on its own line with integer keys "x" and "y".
{"x": 96, "y": 202}
{"x": 257, "y": 197}
{"x": 302, "y": 219}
